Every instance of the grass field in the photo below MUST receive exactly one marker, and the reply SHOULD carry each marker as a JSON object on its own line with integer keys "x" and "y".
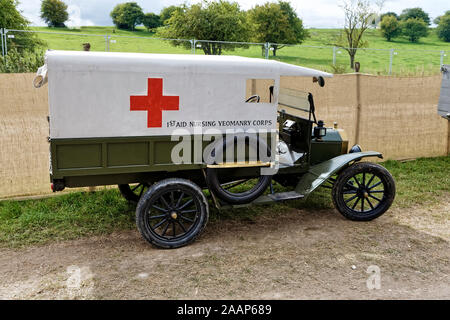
{"x": 71, "y": 216}
{"x": 409, "y": 58}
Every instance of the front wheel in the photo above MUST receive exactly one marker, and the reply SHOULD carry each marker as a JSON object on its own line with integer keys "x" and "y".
{"x": 363, "y": 191}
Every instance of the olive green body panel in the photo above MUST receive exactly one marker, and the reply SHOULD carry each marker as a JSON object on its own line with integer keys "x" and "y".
{"x": 326, "y": 148}
{"x": 101, "y": 156}
{"x": 106, "y": 161}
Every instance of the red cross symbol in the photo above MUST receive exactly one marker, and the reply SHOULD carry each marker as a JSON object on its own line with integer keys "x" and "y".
{"x": 154, "y": 103}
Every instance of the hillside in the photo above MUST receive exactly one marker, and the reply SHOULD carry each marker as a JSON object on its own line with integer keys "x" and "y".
{"x": 408, "y": 58}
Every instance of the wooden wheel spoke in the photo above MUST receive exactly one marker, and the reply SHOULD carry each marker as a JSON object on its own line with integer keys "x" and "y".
{"x": 157, "y": 217}
{"x": 375, "y": 185}
{"x": 350, "y": 199}
{"x": 156, "y": 226}
{"x": 356, "y": 180}
{"x": 142, "y": 191}
{"x": 179, "y": 200}
{"x": 379, "y": 200}
{"x": 356, "y": 202}
{"x": 165, "y": 229}
{"x": 135, "y": 188}
{"x": 348, "y": 185}
{"x": 181, "y": 225}
{"x": 165, "y": 202}
{"x": 370, "y": 203}
{"x": 186, "y": 219}
{"x": 159, "y": 208}
{"x": 370, "y": 180}
{"x": 186, "y": 204}
{"x": 189, "y": 211}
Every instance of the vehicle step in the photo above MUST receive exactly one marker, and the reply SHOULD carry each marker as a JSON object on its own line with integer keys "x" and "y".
{"x": 291, "y": 195}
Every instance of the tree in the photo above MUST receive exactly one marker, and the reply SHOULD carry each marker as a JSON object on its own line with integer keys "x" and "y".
{"x": 166, "y": 13}
{"x": 11, "y": 18}
{"x": 127, "y": 15}
{"x": 390, "y": 27}
{"x": 438, "y": 19}
{"x": 25, "y": 49}
{"x": 358, "y": 18}
{"x": 207, "y": 20}
{"x": 415, "y": 13}
{"x": 151, "y": 21}
{"x": 54, "y": 13}
{"x": 414, "y": 29}
{"x": 389, "y": 14}
{"x": 443, "y": 29}
{"x": 276, "y": 23}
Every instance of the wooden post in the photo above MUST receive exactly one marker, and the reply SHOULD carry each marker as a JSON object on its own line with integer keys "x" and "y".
{"x": 448, "y": 137}
{"x": 358, "y": 107}
{"x": 253, "y": 87}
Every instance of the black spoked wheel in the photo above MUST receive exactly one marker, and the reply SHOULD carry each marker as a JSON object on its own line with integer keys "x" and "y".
{"x": 172, "y": 213}
{"x": 238, "y": 191}
{"x": 133, "y": 192}
{"x": 363, "y": 191}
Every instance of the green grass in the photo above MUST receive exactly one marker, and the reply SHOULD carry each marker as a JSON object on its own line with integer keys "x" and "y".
{"x": 407, "y": 61}
{"x": 75, "y": 215}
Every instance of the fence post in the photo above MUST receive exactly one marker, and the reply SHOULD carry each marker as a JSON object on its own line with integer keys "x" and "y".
{"x": 267, "y": 49}
{"x": 192, "y": 41}
{"x": 1, "y": 36}
{"x": 442, "y": 57}
{"x": 391, "y": 58}
{"x": 334, "y": 56}
{"x": 358, "y": 107}
{"x": 106, "y": 42}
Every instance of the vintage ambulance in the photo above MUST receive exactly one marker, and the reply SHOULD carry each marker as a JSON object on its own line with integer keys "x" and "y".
{"x": 168, "y": 128}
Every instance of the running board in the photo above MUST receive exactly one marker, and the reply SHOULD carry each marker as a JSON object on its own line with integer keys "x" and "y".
{"x": 281, "y": 196}
{"x": 265, "y": 199}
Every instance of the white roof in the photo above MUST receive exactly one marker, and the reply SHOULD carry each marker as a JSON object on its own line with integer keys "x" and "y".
{"x": 176, "y": 63}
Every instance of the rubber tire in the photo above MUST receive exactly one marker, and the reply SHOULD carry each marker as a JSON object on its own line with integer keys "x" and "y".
{"x": 154, "y": 191}
{"x": 242, "y": 198}
{"x": 345, "y": 175}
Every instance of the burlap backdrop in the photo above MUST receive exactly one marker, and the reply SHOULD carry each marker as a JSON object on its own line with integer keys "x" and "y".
{"x": 397, "y": 116}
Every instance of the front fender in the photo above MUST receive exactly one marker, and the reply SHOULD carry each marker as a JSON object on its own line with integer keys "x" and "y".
{"x": 320, "y": 173}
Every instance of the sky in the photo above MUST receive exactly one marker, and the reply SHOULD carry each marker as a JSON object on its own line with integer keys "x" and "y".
{"x": 314, "y": 13}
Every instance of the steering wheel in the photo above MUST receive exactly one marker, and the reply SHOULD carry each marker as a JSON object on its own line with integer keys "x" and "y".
{"x": 254, "y": 98}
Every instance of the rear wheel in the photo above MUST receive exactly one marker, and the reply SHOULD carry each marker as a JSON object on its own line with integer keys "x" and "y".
{"x": 133, "y": 192}
{"x": 172, "y": 213}
{"x": 363, "y": 191}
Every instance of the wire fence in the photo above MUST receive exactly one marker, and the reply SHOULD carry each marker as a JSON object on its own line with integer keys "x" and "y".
{"x": 327, "y": 58}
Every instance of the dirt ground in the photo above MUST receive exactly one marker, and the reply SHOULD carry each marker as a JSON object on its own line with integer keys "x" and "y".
{"x": 294, "y": 255}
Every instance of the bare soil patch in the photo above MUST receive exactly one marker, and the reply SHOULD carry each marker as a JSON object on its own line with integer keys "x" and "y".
{"x": 297, "y": 254}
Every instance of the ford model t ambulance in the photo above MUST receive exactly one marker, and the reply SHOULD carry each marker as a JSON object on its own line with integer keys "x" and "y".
{"x": 168, "y": 128}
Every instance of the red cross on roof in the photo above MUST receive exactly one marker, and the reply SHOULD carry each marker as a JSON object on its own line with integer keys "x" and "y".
{"x": 154, "y": 102}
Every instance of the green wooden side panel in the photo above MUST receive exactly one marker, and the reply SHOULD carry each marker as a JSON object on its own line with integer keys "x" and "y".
{"x": 128, "y": 154}
{"x": 79, "y": 156}
{"x": 162, "y": 152}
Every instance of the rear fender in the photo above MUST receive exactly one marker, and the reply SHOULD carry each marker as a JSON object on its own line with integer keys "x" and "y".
{"x": 320, "y": 173}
